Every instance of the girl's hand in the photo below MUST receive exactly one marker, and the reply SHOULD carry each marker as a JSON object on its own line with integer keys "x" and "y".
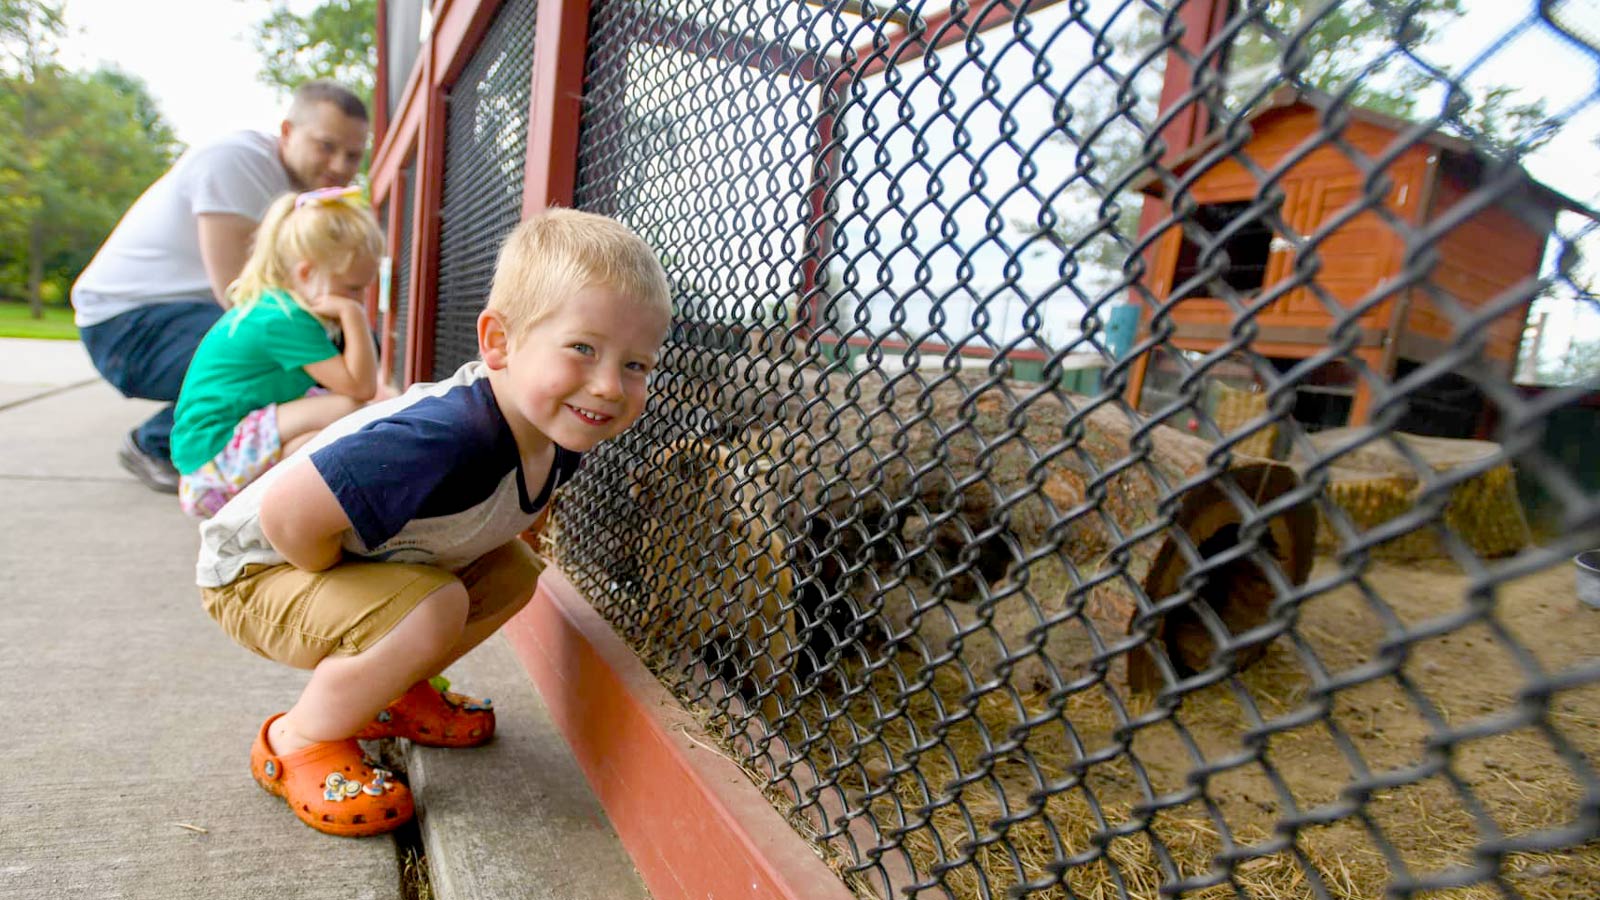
{"x": 331, "y": 305}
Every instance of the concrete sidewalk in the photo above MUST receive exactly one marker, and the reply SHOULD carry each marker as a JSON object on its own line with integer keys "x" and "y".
{"x": 128, "y": 714}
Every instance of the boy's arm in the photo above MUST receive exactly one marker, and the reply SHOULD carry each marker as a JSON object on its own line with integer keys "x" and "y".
{"x": 302, "y": 519}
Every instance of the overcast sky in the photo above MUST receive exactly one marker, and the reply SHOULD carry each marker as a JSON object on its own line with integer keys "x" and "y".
{"x": 196, "y": 55}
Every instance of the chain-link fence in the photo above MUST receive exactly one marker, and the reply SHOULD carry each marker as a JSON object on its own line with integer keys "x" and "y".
{"x": 994, "y": 601}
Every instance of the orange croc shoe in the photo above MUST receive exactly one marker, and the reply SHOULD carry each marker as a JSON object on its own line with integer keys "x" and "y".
{"x": 331, "y": 787}
{"x": 433, "y": 718}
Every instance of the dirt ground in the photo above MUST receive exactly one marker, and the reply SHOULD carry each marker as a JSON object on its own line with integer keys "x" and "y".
{"x": 1466, "y": 675}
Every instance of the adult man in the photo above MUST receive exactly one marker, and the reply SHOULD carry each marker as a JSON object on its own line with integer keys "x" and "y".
{"x": 161, "y": 278}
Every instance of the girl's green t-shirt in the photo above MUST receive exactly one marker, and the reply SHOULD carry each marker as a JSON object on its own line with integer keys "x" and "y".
{"x": 252, "y": 356}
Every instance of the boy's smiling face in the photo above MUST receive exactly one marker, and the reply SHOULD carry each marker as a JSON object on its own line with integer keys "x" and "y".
{"x": 580, "y": 375}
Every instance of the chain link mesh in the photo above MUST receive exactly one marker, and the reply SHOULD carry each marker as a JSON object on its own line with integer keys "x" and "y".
{"x": 981, "y": 620}
{"x": 485, "y": 150}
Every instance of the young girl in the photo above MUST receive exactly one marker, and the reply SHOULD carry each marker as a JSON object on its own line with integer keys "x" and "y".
{"x": 250, "y": 396}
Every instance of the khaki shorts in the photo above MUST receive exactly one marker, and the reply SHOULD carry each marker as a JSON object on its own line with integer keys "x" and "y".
{"x": 297, "y": 617}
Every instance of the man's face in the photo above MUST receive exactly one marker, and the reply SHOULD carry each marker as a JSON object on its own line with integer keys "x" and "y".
{"x": 324, "y": 149}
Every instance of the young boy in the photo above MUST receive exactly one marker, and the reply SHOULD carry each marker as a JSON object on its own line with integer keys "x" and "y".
{"x": 387, "y": 548}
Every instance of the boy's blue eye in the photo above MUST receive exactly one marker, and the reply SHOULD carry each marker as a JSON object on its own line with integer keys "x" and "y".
{"x": 583, "y": 348}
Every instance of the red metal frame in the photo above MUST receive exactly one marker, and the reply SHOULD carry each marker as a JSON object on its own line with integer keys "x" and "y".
{"x": 560, "y": 51}
{"x": 425, "y": 258}
{"x": 693, "y": 823}
{"x": 819, "y": 221}
{"x": 399, "y": 130}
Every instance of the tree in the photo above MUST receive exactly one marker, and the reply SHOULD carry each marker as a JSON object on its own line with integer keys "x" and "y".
{"x": 75, "y": 151}
{"x": 145, "y": 110}
{"x": 1339, "y": 48}
{"x": 29, "y": 30}
{"x": 336, "y": 41}
{"x": 1578, "y": 365}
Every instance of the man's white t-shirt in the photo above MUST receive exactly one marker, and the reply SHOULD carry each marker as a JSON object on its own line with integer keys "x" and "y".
{"x": 153, "y": 255}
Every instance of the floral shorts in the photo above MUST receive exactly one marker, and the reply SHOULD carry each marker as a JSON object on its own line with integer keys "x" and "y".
{"x": 253, "y": 449}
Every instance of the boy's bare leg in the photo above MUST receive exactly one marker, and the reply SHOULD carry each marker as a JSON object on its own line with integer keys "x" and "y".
{"x": 477, "y": 632}
{"x": 346, "y": 692}
{"x": 507, "y": 588}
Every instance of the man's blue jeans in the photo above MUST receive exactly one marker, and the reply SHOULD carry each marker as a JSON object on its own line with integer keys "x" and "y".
{"x": 144, "y": 353}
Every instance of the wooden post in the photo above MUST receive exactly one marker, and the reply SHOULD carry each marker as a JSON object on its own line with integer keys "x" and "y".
{"x": 812, "y": 272}
{"x": 1202, "y": 22}
{"x": 1361, "y": 404}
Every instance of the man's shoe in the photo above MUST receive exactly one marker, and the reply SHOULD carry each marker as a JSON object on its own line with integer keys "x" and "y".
{"x": 156, "y": 473}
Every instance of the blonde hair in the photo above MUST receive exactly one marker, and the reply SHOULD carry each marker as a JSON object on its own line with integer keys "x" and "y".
{"x": 558, "y": 252}
{"x": 333, "y": 236}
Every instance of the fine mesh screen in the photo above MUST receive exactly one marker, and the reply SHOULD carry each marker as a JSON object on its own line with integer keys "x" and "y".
{"x": 401, "y": 303}
{"x": 486, "y": 145}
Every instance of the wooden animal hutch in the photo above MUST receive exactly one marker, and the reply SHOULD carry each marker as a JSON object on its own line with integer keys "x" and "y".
{"x": 1477, "y": 260}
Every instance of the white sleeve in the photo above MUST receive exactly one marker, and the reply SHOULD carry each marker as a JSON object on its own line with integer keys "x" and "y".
{"x": 231, "y": 179}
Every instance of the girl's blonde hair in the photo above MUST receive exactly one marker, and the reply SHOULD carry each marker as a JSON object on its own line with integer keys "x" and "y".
{"x": 558, "y": 252}
{"x": 332, "y": 234}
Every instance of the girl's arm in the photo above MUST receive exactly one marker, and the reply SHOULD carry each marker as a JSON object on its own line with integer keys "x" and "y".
{"x": 354, "y": 374}
{"x": 302, "y": 519}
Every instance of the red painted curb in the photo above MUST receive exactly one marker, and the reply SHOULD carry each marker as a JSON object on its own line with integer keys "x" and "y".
{"x": 693, "y": 822}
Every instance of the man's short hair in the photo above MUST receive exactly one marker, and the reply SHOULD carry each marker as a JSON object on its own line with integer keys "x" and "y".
{"x": 311, "y": 93}
{"x": 558, "y": 252}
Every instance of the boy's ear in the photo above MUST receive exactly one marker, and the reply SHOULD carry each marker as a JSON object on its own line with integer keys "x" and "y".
{"x": 494, "y": 342}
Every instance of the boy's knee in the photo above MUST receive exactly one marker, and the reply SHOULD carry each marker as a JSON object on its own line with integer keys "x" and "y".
{"x": 503, "y": 580}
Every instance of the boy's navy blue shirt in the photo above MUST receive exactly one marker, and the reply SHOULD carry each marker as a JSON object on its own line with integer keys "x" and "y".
{"x": 432, "y": 476}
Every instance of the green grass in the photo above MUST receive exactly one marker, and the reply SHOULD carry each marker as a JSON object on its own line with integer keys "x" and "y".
{"x": 15, "y": 322}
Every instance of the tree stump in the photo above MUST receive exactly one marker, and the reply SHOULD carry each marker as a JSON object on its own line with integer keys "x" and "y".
{"x": 1375, "y": 484}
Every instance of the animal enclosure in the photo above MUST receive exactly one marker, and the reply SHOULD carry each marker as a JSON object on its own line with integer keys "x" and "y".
{"x": 984, "y": 619}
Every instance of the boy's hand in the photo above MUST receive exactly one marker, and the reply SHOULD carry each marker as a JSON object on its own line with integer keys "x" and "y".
{"x": 302, "y": 519}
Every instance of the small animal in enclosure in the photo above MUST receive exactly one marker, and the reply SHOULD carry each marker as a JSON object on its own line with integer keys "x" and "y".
{"x": 712, "y": 562}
